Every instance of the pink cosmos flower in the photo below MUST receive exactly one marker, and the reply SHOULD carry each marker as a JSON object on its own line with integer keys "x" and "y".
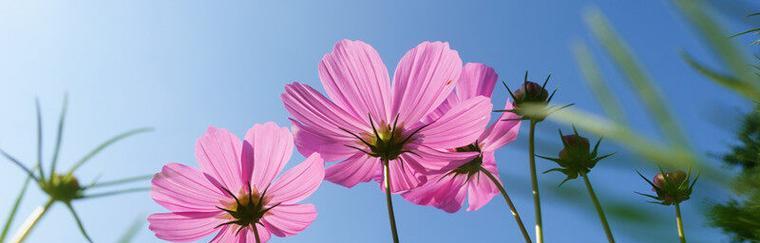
{"x": 367, "y": 122}
{"x": 447, "y": 190}
{"x": 235, "y": 192}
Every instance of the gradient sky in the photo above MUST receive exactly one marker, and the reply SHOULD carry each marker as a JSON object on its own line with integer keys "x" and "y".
{"x": 180, "y": 66}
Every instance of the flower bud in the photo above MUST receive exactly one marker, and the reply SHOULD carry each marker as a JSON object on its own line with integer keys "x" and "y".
{"x": 576, "y": 157}
{"x": 63, "y": 187}
{"x": 671, "y": 187}
{"x": 576, "y": 148}
{"x": 531, "y": 92}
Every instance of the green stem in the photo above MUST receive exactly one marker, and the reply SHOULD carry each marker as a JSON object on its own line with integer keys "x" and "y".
{"x": 389, "y": 202}
{"x": 256, "y": 233}
{"x": 679, "y": 223}
{"x": 598, "y": 207}
{"x": 32, "y": 221}
{"x": 534, "y": 182}
{"x": 511, "y": 205}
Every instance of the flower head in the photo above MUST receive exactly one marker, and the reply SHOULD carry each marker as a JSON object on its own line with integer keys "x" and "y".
{"x": 235, "y": 189}
{"x": 576, "y": 157}
{"x": 63, "y": 186}
{"x": 447, "y": 190}
{"x": 366, "y": 122}
{"x": 671, "y": 187}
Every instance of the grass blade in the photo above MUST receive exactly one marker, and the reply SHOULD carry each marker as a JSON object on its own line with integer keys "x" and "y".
{"x": 14, "y": 209}
{"x": 106, "y": 144}
{"x": 718, "y": 40}
{"x": 598, "y": 86}
{"x": 132, "y": 231}
{"x": 748, "y": 91}
{"x": 653, "y": 151}
{"x": 636, "y": 76}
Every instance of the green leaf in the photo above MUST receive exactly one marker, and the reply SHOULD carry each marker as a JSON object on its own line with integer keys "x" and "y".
{"x": 106, "y": 144}
{"x": 14, "y": 209}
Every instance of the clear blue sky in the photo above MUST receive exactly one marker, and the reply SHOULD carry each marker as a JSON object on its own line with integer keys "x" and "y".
{"x": 181, "y": 66}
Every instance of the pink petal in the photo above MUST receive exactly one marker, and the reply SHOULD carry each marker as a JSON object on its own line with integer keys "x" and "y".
{"x": 299, "y": 182}
{"x": 406, "y": 173}
{"x": 354, "y": 170}
{"x": 183, "y": 227}
{"x": 228, "y": 234}
{"x": 264, "y": 234}
{"x": 218, "y": 153}
{"x": 272, "y": 148}
{"x": 453, "y": 202}
{"x": 502, "y": 132}
{"x": 356, "y": 79}
{"x": 460, "y": 126}
{"x": 181, "y": 188}
{"x": 320, "y": 122}
{"x": 423, "y": 79}
{"x": 436, "y": 160}
{"x": 444, "y": 191}
{"x": 309, "y": 141}
{"x": 476, "y": 80}
{"x": 481, "y": 189}
{"x": 287, "y": 220}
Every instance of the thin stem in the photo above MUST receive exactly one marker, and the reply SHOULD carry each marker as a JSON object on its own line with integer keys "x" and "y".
{"x": 534, "y": 182}
{"x": 598, "y": 207}
{"x": 511, "y": 205}
{"x": 679, "y": 223}
{"x": 14, "y": 210}
{"x": 389, "y": 202}
{"x": 256, "y": 233}
{"x": 32, "y": 221}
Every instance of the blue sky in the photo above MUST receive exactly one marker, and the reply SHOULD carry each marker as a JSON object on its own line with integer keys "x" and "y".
{"x": 180, "y": 66}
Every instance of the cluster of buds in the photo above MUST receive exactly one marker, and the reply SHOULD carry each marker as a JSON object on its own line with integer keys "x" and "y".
{"x": 671, "y": 187}
{"x": 576, "y": 157}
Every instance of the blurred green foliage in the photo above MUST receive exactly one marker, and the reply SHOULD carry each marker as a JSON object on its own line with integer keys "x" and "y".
{"x": 740, "y": 216}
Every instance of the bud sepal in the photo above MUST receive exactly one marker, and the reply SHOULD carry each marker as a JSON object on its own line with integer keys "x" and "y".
{"x": 576, "y": 158}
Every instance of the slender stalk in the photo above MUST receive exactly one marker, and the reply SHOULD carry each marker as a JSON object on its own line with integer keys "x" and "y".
{"x": 679, "y": 223}
{"x": 32, "y": 221}
{"x": 534, "y": 182}
{"x": 598, "y": 207}
{"x": 389, "y": 201}
{"x": 511, "y": 205}
{"x": 256, "y": 233}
